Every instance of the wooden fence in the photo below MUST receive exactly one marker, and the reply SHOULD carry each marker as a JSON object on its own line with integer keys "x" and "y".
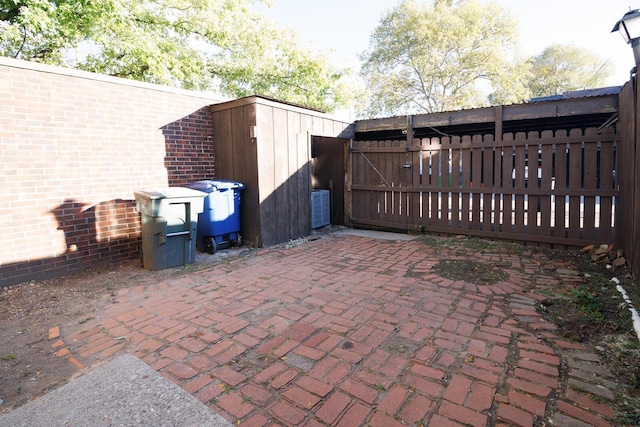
{"x": 550, "y": 187}
{"x": 628, "y": 224}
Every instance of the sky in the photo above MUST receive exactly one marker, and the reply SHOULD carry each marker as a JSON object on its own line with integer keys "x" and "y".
{"x": 344, "y": 26}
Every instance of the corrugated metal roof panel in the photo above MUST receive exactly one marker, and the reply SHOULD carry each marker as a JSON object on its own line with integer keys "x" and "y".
{"x": 574, "y": 94}
{"x": 585, "y": 93}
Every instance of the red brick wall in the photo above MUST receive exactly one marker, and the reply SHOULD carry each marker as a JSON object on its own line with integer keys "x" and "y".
{"x": 74, "y": 147}
{"x": 189, "y": 146}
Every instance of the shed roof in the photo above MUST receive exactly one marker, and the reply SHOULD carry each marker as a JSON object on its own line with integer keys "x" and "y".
{"x": 252, "y": 99}
{"x": 585, "y": 93}
{"x": 578, "y": 109}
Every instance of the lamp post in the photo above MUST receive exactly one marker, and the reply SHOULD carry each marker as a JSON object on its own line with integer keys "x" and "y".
{"x": 629, "y": 28}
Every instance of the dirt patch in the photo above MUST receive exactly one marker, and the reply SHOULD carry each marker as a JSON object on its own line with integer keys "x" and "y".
{"x": 29, "y": 366}
{"x": 592, "y": 311}
{"x": 470, "y": 271}
{"x": 28, "y": 363}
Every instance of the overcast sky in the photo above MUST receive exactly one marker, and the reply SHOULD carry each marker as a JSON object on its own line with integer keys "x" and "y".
{"x": 344, "y": 26}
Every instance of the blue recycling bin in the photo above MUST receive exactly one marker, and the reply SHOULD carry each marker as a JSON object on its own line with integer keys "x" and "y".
{"x": 219, "y": 222}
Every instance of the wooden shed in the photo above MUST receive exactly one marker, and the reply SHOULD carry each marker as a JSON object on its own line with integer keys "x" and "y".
{"x": 280, "y": 152}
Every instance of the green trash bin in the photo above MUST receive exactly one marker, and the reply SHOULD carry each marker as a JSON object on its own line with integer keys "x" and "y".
{"x": 169, "y": 225}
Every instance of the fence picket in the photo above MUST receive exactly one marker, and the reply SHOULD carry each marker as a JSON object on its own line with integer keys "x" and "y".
{"x": 452, "y": 145}
{"x": 546, "y": 184}
{"x": 465, "y": 154}
{"x": 519, "y": 185}
{"x": 575, "y": 182}
{"x": 590, "y": 177}
{"x": 416, "y": 182}
{"x": 553, "y": 187}
{"x": 532, "y": 183}
{"x": 436, "y": 182}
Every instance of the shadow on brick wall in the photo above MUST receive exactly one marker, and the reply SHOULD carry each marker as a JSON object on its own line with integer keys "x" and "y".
{"x": 94, "y": 235}
{"x": 109, "y": 231}
{"x": 77, "y": 223}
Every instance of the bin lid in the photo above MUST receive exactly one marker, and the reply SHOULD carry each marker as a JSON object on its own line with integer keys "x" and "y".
{"x": 209, "y": 186}
{"x": 168, "y": 193}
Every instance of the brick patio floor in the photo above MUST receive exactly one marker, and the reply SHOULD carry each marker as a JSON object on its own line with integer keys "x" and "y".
{"x": 347, "y": 331}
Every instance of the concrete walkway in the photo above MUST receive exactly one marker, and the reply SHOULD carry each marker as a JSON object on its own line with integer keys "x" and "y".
{"x": 352, "y": 330}
{"x": 122, "y": 392}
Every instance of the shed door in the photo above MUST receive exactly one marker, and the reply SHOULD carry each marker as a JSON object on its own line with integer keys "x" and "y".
{"x": 328, "y": 170}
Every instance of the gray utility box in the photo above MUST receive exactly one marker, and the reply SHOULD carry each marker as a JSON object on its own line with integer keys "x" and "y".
{"x": 169, "y": 226}
{"x": 320, "y": 208}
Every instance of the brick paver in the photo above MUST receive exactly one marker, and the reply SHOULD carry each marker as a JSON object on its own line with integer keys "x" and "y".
{"x": 348, "y": 331}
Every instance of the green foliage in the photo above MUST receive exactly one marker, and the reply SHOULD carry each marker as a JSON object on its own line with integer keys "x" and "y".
{"x": 8, "y": 357}
{"x": 424, "y": 56}
{"x": 40, "y": 30}
{"x": 429, "y": 56}
{"x": 511, "y": 84}
{"x": 588, "y": 303}
{"x": 558, "y": 69}
{"x": 194, "y": 44}
{"x": 630, "y": 415}
{"x": 561, "y": 68}
{"x": 268, "y": 61}
{"x": 439, "y": 55}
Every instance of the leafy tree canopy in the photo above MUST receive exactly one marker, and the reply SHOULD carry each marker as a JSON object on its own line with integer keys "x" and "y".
{"x": 428, "y": 56}
{"x": 439, "y": 55}
{"x": 561, "y": 68}
{"x": 195, "y": 44}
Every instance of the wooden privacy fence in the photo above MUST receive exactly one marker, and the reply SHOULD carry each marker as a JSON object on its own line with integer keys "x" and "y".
{"x": 550, "y": 187}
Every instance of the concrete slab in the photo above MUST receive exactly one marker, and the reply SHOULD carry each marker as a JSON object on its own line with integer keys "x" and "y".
{"x": 380, "y": 235}
{"x": 122, "y": 392}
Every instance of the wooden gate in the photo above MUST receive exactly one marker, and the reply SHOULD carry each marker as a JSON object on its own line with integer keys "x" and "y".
{"x": 551, "y": 187}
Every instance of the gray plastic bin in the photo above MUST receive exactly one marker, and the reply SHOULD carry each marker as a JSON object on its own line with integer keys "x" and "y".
{"x": 169, "y": 226}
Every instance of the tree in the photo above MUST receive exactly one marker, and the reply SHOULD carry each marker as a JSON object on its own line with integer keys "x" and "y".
{"x": 194, "y": 44}
{"x": 41, "y": 30}
{"x": 438, "y": 55}
{"x": 561, "y": 68}
{"x": 429, "y": 56}
{"x": 510, "y": 84}
{"x": 267, "y": 60}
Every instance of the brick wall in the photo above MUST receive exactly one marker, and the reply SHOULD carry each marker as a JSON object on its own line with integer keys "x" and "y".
{"x": 74, "y": 147}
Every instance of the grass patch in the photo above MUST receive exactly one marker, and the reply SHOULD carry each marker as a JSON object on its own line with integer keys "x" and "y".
{"x": 589, "y": 303}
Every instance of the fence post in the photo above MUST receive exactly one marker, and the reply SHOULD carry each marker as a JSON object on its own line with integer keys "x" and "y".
{"x": 628, "y": 203}
{"x": 634, "y": 260}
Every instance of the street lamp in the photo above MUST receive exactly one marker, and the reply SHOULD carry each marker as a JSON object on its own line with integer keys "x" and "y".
{"x": 629, "y": 27}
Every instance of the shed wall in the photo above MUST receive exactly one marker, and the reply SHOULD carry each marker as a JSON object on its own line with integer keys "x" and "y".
{"x": 266, "y": 146}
